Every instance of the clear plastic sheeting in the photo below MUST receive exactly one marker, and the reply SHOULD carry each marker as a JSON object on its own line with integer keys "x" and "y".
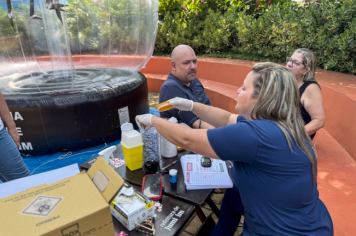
{"x": 90, "y": 83}
{"x": 53, "y": 46}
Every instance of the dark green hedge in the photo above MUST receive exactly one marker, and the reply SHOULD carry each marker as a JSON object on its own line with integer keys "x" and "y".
{"x": 327, "y": 27}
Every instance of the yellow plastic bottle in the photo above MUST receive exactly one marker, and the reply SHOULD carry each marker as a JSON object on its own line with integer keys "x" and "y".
{"x": 132, "y": 146}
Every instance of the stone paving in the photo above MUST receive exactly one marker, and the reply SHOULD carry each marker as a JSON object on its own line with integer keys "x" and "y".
{"x": 194, "y": 223}
{"x": 153, "y": 99}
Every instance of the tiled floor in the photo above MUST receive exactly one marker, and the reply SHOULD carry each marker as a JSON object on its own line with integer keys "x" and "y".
{"x": 194, "y": 223}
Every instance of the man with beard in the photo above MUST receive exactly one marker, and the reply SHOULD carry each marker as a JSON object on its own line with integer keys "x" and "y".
{"x": 181, "y": 82}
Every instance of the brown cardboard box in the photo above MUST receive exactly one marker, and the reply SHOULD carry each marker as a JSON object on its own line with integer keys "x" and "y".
{"x": 73, "y": 206}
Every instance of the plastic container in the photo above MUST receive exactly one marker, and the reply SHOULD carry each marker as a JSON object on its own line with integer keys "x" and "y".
{"x": 173, "y": 176}
{"x": 132, "y": 146}
{"x": 168, "y": 149}
{"x": 107, "y": 153}
{"x": 126, "y": 127}
{"x": 150, "y": 139}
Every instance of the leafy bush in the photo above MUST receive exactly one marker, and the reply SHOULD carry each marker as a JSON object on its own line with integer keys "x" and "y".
{"x": 249, "y": 29}
{"x": 327, "y": 28}
{"x": 200, "y": 8}
{"x": 272, "y": 32}
{"x": 205, "y": 25}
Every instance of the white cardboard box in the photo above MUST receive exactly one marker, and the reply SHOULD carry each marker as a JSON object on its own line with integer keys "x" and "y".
{"x": 128, "y": 214}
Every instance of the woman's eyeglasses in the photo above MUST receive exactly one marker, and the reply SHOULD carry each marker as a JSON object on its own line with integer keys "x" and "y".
{"x": 294, "y": 62}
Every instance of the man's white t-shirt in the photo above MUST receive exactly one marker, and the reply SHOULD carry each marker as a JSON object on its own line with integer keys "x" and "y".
{"x": 1, "y": 124}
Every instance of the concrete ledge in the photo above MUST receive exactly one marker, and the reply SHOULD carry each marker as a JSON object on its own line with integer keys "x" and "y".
{"x": 221, "y": 95}
{"x": 336, "y": 182}
{"x": 339, "y": 94}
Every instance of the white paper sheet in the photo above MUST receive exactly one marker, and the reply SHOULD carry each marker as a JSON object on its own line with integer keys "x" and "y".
{"x": 19, "y": 185}
{"x": 198, "y": 177}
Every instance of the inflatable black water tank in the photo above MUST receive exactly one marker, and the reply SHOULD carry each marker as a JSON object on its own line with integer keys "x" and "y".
{"x": 85, "y": 115}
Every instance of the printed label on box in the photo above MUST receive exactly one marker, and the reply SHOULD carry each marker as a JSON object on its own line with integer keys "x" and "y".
{"x": 42, "y": 206}
{"x": 124, "y": 115}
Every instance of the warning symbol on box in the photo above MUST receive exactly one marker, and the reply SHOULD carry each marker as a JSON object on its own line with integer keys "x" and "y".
{"x": 42, "y": 206}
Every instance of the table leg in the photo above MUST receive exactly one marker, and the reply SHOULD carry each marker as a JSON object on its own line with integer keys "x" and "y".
{"x": 213, "y": 207}
{"x": 200, "y": 213}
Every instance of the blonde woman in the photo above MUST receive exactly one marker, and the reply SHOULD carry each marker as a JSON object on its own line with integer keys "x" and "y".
{"x": 303, "y": 65}
{"x": 274, "y": 161}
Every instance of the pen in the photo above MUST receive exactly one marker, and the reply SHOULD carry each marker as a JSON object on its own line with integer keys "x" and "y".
{"x": 174, "y": 162}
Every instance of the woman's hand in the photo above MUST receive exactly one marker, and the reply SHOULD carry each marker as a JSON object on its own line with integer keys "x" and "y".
{"x": 144, "y": 121}
{"x": 15, "y": 136}
{"x": 181, "y": 104}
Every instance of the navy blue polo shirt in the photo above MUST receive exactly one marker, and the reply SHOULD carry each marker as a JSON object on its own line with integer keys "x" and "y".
{"x": 275, "y": 184}
{"x": 172, "y": 88}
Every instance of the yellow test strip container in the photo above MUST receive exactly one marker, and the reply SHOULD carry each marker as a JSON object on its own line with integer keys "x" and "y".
{"x": 132, "y": 146}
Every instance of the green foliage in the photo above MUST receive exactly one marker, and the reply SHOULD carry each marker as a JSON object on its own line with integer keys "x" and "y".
{"x": 188, "y": 8}
{"x": 175, "y": 31}
{"x": 5, "y": 27}
{"x": 327, "y": 28}
{"x": 18, "y": 42}
{"x": 97, "y": 28}
{"x": 243, "y": 56}
{"x": 257, "y": 7}
{"x": 205, "y": 25}
{"x": 217, "y": 31}
{"x": 230, "y": 28}
{"x": 238, "y": 29}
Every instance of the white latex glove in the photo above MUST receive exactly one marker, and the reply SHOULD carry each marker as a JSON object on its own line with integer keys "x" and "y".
{"x": 181, "y": 104}
{"x": 144, "y": 121}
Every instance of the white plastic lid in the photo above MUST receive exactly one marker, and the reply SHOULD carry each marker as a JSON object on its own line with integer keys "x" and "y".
{"x": 173, "y": 172}
{"x": 131, "y": 139}
{"x": 173, "y": 119}
{"x": 126, "y": 127}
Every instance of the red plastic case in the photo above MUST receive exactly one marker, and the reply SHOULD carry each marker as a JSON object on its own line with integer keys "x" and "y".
{"x": 151, "y": 177}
